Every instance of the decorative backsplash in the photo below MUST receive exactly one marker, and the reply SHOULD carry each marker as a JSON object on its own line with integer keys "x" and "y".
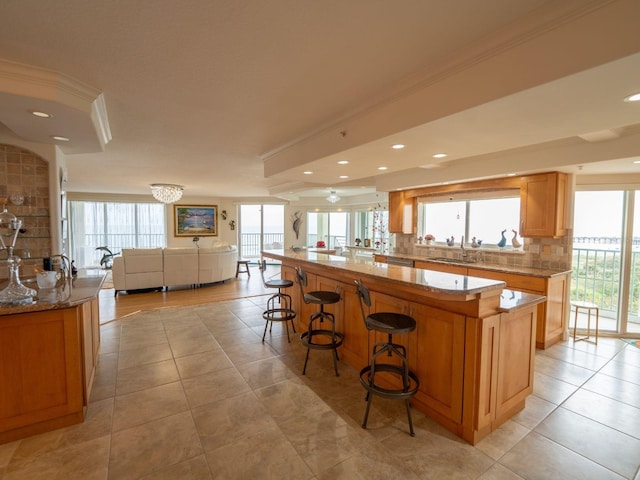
{"x": 553, "y": 253}
{"x": 24, "y": 183}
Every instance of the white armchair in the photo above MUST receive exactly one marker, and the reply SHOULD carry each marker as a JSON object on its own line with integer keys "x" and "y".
{"x": 137, "y": 269}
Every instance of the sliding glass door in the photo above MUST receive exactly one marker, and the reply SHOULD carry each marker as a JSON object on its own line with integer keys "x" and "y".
{"x": 261, "y": 228}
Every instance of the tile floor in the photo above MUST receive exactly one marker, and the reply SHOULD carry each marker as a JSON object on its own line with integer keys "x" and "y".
{"x": 192, "y": 393}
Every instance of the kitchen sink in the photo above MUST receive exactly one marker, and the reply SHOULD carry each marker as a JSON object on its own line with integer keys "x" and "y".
{"x": 453, "y": 260}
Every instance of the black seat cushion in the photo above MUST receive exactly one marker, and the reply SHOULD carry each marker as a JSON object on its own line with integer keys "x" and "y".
{"x": 279, "y": 283}
{"x": 389, "y": 322}
{"x": 322, "y": 297}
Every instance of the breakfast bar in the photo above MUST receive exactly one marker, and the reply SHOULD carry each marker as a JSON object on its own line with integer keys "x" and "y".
{"x": 473, "y": 348}
{"x": 48, "y": 354}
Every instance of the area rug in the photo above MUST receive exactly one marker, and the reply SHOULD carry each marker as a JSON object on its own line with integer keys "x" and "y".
{"x": 632, "y": 341}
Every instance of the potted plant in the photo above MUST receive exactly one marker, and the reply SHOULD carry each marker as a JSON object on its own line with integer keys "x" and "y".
{"x": 429, "y": 239}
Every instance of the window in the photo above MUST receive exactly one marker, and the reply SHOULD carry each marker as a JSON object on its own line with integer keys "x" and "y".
{"x": 483, "y": 218}
{"x": 373, "y": 225}
{"x": 114, "y": 225}
{"x": 329, "y": 227}
{"x": 261, "y": 228}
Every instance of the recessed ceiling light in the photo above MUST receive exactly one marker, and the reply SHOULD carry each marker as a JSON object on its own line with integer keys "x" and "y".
{"x": 343, "y": 162}
{"x": 344, "y": 176}
{"x": 60, "y": 138}
{"x": 382, "y": 168}
{"x": 633, "y": 98}
{"x": 440, "y": 155}
{"x": 397, "y": 146}
{"x": 308, "y": 172}
{"x": 636, "y": 161}
{"x": 41, "y": 114}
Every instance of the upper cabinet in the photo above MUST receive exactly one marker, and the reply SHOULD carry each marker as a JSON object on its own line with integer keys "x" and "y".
{"x": 543, "y": 205}
{"x": 401, "y": 213}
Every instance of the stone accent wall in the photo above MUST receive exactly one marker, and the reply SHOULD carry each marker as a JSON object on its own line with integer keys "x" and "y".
{"x": 553, "y": 253}
{"x": 24, "y": 189}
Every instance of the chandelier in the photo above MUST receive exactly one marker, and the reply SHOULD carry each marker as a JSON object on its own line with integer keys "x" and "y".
{"x": 166, "y": 192}
{"x": 333, "y": 198}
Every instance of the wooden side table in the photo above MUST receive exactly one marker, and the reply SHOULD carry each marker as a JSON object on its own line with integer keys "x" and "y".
{"x": 588, "y": 307}
{"x": 246, "y": 267}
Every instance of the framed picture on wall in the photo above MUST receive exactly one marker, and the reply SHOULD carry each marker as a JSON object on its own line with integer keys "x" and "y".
{"x": 195, "y": 220}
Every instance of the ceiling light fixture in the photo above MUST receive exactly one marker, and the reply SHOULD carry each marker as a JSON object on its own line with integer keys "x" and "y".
{"x": 344, "y": 176}
{"x": 166, "y": 192}
{"x": 397, "y": 146}
{"x": 307, "y": 172}
{"x": 382, "y": 168}
{"x": 60, "y": 138}
{"x": 440, "y": 155}
{"x": 37, "y": 113}
{"x": 633, "y": 98}
{"x": 333, "y": 197}
{"x": 343, "y": 162}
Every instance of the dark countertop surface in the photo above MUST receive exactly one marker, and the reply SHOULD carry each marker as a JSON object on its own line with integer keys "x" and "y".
{"x": 84, "y": 287}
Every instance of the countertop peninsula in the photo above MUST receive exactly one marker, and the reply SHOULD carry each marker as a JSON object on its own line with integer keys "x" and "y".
{"x": 473, "y": 348}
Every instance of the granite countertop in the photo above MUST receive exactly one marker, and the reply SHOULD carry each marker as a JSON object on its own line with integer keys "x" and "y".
{"x": 427, "y": 280}
{"x": 531, "y": 271}
{"x": 511, "y": 300}
{"x": 84, "y": 287}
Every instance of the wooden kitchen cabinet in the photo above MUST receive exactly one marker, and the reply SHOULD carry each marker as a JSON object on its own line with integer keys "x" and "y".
{"x": 551, "y": 321}
{"x": 401, "y": 213}
{"x": 543, "y": 205}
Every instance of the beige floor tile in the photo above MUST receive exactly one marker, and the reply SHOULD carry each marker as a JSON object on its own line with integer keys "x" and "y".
{"x": 150, "y": 404}
{"x": 608, "y": 447}
{"x": 193, "y": 342}
{"x": 266, "y": 372}
{"x": 143, "y": 339}
{"x": 564, "y": 371}
{"x": 144, "y": 355}
{"x": 193, "y": 469}
{"x": 623, "y": 391}
{"x": 266, "y": 455}
{"x": 500, "y": 441}
{"x": 538, "y": 458}
{"x": 238, "y": 336}
{"x": 84, "y": 461}
{"x": 622, "y": 370}
{"x": 535, "y": 410}
{"x": 373, "y": 462}
{"x": 575, "y": 357}
{"x": 214, "y": 386}
{"x": 607, "y": 411}
{"x": 146, "y": 376}
{"x": 289, "y": 398}
{"x": 202, "y": 363}
{"x": 226, "y": 421}
{"x": 499, "y": 472}
{"x": 629, "y": 356}
{"x": 153, "y": 446}
{"x": 552, "y": 389}
{"x": 249, "y": 352}
{"x": 224, "y": 322}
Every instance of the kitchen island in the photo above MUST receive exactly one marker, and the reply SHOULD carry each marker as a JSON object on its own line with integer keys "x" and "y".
{"x": 473, "y": 348}
{"x": 48, "y": 354}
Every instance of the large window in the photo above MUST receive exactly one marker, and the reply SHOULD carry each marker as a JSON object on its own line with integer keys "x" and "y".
{"x": 485, "y": 219}
{"x": 332, "y": 228}
{"x": 372, "y": 225}
{"x": 261, "y": 228}
{"x": 114, "y": 225}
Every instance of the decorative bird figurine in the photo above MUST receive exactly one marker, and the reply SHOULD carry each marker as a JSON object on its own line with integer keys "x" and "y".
{"x": 503, "y": 240}
{"x": 451, "y": 241}
{"x": 514, "y": 241}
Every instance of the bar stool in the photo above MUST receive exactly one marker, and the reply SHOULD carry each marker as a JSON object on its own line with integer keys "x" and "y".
{"x": 317, "y": 337}
{"x": 588, "y": 307}
{"x": 281, "y": 313}
{"x": 390, "y": 323}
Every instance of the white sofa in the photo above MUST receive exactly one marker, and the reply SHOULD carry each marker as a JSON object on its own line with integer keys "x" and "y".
{"x": 147, "y": 268}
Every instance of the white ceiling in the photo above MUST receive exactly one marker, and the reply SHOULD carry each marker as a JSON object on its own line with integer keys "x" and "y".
{"x": 238, "y": 98}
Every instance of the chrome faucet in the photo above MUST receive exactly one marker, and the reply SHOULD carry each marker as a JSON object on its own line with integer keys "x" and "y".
{"x": 464, "y": 252}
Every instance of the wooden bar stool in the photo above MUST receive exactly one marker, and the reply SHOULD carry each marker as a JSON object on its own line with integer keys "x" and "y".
{"x": 246, "y": 267}
{"x": 588, "y": 307}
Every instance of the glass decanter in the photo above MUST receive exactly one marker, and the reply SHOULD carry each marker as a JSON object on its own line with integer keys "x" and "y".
{"x": 15, "y": 292}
